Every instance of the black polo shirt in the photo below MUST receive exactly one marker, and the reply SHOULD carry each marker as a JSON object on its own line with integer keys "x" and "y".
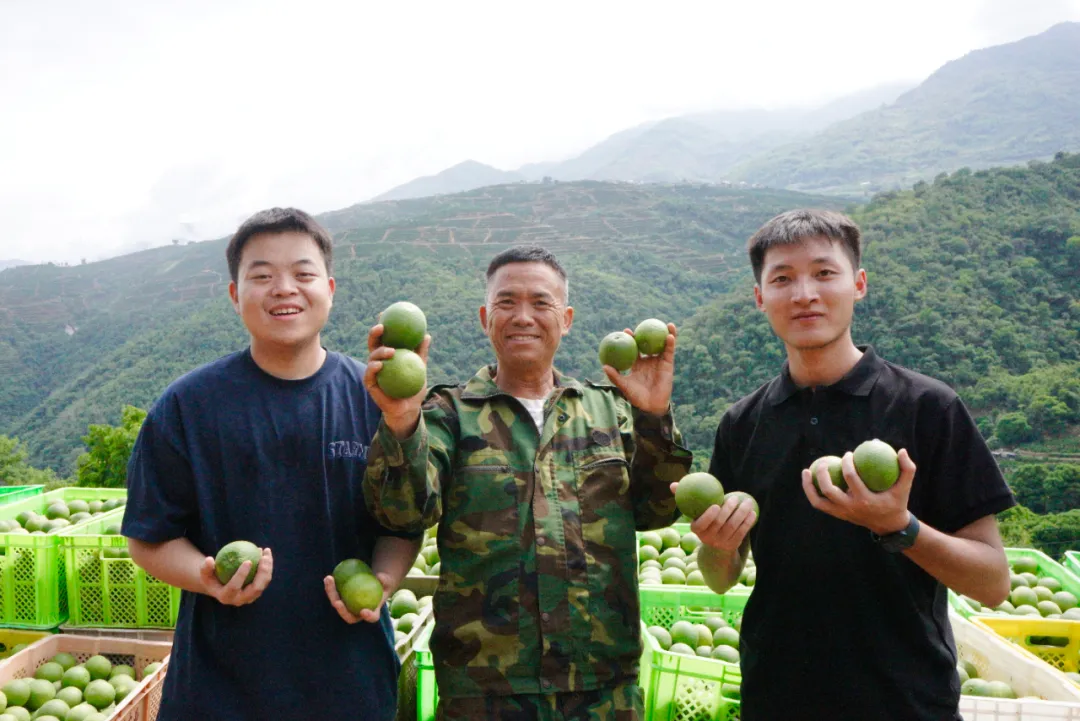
{"x": 838, "y": 628}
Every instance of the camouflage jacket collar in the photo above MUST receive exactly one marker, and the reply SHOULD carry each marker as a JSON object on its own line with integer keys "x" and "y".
{"x": 482, "y": 385}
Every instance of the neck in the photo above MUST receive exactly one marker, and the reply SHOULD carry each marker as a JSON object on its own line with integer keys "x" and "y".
{"x": 823, "y": 366}
{"x": 293, "y": 362}
{"x": 525, "y": 383}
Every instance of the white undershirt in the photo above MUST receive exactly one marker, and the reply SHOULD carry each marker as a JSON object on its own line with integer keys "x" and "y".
{"x": 535, "y": 407}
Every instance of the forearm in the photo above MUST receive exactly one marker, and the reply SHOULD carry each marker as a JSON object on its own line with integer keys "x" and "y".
{"x": 176, "y": 562}
{"x": 658, "y": 460}
{"x": 394, "y": 557}
{"x": 967, "y": 566}
{"x": 401, "y": 485}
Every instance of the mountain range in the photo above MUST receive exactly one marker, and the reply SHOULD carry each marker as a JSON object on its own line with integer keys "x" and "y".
{"x": 994, "y": 106}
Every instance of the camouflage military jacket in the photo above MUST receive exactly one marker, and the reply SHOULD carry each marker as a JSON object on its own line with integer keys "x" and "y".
{"x": 538, "y": 587}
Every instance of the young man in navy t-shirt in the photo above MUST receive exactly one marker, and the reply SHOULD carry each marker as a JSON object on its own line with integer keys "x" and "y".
{"x": 269, "y": 445}
{"x": 848, "y": 619}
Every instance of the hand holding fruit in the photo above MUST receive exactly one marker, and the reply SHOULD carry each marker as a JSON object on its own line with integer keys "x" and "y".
{"x": 356, "y": 592}
{"x": 239, "y": 574}
{"x": 650, "y": 362}
{"x": 396, "y": 374}
{"x": 878, "y": 487}
{"x": 720, "y": 520}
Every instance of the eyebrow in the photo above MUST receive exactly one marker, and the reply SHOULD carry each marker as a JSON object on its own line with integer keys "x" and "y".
{"x": 819, "y": 261}
{"x": 261, "y": 263}
{"x": 534, "y": 294}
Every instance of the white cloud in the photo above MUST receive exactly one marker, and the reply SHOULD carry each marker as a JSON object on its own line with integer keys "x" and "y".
{"x": 130, "y": 123}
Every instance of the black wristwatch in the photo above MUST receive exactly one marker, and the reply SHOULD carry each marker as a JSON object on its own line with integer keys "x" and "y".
{"x": 901, "y": 540}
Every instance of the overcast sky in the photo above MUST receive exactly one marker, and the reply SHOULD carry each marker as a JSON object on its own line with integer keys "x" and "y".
{"x": 128, "y": 123}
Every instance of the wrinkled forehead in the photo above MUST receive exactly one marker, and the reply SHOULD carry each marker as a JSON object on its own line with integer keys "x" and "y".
{"x": 526, "y": 280}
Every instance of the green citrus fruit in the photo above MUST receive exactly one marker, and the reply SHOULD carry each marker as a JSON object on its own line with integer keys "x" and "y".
{"x": 1065, "y": 600}
{"x": 53, "y": 707}
{"x": 403, "y": 602}
{"x": 663, "y": 638}
{"x": 17, "y": 692}
{"x": 70, "y": 695}
{"x": 618, "y": 350}
{"x": 877, "y": 465}
{"x": 77, "y": 677}
{"x": 19, "y": 712}
{"x": 402, "y": 376}
{"x": 362, "y": 591}
{"x": 404, "y": 326}
{"x": 728, "y": 654}
{"x": 1025, "y": 565}
{"x": 1052, "y": 584}
{"x": 40, "y": 692}
{"x": 744, "y": 497}
{"x": 696, "y": 492}
{"x": 150, "y": 668}
{"x": 50, "y": 671}
{"x": 836, "y": 471}
{"x": 407, "y": 622}
{"x": 1047, "y": 608}
{"x": 1024, "y": 595}
{"x": 651, "y": 336}
{"x": 684, "y": 632}
{"x": 122, "y": 670}
{"x": 99, "y": 694}
{"x": 726, "y": 637}
{"x": 673, "y": 577}
{"x": 682, "y": 648}
{"x": 81, "y": 712}
{"x": 347, "y": 569}
{"x": 228, "y": 561}
{"x": 99, "y": 667}
{"x": 57, "y": 510}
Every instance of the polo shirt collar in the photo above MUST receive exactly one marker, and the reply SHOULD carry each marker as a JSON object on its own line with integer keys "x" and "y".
{"x": 857, "y": 382}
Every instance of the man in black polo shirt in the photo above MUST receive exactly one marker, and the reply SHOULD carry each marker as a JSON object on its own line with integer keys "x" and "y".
{"x": 848, "y": 617}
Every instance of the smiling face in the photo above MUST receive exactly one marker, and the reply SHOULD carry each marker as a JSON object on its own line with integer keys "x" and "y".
{"x": 808, "y": 291}
{"x": 526, "y": 315}
{"x": 283, "y": 292}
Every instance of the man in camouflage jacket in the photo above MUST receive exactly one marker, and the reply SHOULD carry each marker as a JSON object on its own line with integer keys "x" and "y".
{"x": 537, "y": 483}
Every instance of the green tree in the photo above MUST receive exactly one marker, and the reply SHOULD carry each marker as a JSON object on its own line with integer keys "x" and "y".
{"x": 1057, "y": 532}
{"x": 1013, "y": 428}
{"x": 1029, "y": 484}
{"x": 16, "y": 471}
{"x": 108, "y": 450}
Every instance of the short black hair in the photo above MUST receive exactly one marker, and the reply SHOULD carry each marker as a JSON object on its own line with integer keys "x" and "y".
{"x": 528, "y": 254}
{"x": 278, "y": 220}
{"x": 795, "y": 226}
{"x": 525, "y": 254}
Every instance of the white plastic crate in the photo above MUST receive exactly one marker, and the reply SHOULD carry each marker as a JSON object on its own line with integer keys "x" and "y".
{"x": 998, "y": 660}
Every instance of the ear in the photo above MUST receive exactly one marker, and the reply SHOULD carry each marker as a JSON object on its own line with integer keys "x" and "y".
{"x": 234, "y": 296}
{"x": 568, "y": 319}
{"x": 758, "y": 300}
{"x": 860, "y": 284}
{"x": 333, "y": 286}
{"x": 483, "y": 319}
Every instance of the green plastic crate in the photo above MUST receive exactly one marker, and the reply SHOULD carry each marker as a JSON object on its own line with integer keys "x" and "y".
{"x": 1046, "y": 566}
{"x": 33, "y": 578}
{"x": 10, "y": 494}
{"x": 427, "y": 692}
{"x": 659, "y": 606}
{"x": 408, "y": 685}
{"x": 1072, "y": 561}
{"x": 678, "y": 687}
{"x": 112, "y": 592}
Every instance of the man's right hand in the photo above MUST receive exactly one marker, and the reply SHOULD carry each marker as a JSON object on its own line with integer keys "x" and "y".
{"x": 723, "y": 527}
{"x": 235, "y": 593}
{"x": 401, "y": 415}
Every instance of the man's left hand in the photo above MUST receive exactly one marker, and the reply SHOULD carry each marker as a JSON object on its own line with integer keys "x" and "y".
{"x": 648, "y": 385}
{"x": 882, "y": 513}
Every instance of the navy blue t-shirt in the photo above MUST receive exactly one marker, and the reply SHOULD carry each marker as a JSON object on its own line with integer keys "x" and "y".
{"x": 229, "y": 452}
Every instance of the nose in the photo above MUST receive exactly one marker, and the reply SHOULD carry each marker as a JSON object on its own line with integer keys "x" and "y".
{"x": 283, "y": 285}
{"x": 804, "y": 290}
{"x": 523, "y": 314}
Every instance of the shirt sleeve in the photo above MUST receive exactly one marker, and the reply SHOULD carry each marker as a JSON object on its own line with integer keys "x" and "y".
{"x": 961, "y": 482}
{"x": 404, "y": 479}
{"x": 719, "y": 466}
{"x": 657, "y": 459}
{"x": 161, "y": 501}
